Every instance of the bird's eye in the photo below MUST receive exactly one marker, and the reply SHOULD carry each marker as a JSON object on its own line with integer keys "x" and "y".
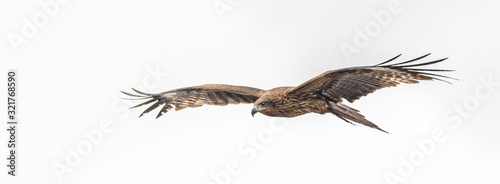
{"x": 262, "y": 104}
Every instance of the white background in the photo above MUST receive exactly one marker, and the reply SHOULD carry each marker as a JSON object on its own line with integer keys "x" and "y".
{"x": 72, "y": 68}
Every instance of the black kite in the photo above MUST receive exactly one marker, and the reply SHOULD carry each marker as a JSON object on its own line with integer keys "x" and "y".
{"x": 322, "y": 94}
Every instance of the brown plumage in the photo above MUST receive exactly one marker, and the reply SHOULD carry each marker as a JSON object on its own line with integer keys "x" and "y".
{"x": 322, "y": 94}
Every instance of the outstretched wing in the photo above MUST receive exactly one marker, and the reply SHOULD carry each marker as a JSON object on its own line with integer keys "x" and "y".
{"x": 196, "y": 96}
{"x": 353, "y": 83}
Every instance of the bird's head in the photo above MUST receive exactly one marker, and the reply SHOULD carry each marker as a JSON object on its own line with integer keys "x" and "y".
{"x": 263, "y": 107}
{"x": 266, "y": 105}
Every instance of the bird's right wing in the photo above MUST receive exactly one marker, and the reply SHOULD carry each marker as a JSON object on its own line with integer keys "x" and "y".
{"x": 196, "y": 96}
{"x": 355, "y": 82}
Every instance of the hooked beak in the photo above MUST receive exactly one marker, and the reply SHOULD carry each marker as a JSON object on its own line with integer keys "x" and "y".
{"x": 255, "y": 111}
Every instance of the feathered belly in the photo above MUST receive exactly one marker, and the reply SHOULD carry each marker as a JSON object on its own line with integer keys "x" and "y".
{"x": 293, "y": 107}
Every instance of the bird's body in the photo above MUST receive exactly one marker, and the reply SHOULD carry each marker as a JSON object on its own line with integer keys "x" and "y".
{"x": 289, "y": 104}
{"x": 322, "y": 94}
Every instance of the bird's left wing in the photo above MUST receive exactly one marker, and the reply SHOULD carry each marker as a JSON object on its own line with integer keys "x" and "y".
{"x": 353, "y": 83}
{"x": 196, "y": 96}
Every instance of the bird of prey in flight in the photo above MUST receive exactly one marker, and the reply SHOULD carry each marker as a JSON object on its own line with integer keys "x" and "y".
{"x": 321, "y": 94}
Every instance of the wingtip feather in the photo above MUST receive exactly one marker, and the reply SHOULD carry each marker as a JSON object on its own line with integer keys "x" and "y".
{"x": 389, "y": 60}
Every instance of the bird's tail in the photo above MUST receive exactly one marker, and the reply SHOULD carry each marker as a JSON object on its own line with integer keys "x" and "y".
{"x": 349, "y": 114}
